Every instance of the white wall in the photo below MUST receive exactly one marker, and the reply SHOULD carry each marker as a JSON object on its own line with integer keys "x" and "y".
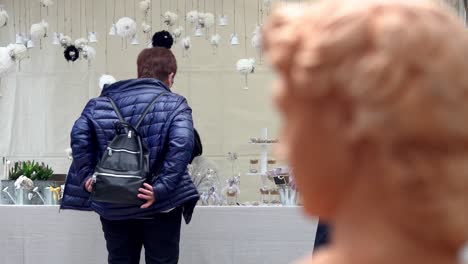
{"x": 44, "y": 97}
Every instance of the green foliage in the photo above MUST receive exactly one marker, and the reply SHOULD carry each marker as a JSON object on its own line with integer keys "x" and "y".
{"x": 31, "y": 169}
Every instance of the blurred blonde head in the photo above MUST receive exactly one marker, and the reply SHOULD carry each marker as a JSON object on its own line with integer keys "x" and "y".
{"x": 377, "y": 86}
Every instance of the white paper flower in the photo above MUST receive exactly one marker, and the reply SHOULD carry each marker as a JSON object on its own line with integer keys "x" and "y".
{"x": 81, "y": 42}
{"x": 88, "y": 52}
{"x": 186, "y": 43}
{"x": 106, "y": 80}
{"x": 215, "y": 39}
{"x": 24, "y": 182}
{"x": 206, "y": 20}
{"x": 65, "y": 41}
{"x": 245, "y": 66}
{"x": 126, "y": 27}
{"x": 257, "y": 37}
{"x": 145, "y": 6}
{"x": 17, "y": 51}
{"x": 145, "y": 27}
{"x": 3, "y": 18}
{"x": 38, "y": 31}
{"x": 170, "y": 18}
{"x": 47, "y": 3}
{"x": 192, "y": 16}
{"x": 7, "y": 64}
{"x": 177, "y": 33}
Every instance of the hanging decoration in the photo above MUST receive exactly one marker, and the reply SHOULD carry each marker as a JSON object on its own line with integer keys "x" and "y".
{"x": 3, "y": 17}
{"x": 192, "y": 16}
{"x": 9, "y": 55}
{"x": 145, "y": 7}
{"x": 223, "y": 19}
{"x": 56, "y": 34}
{"x": 47, "y": 4}
{"x": 177, "y": 33}
{"x": 113, "y": 28}
{"x": 256, "y": 40}
{"x": 88, "y": 52}
{"x": 81, "y": 42}
{"x": 186, "y": 42}
{"x": 215, "y": 38}
{"x": 71, "y": 53}
{"x": 206, "y": 20}
{"x": 170, "y": 18}
{"x": 38, "y": 32}
{"x": 234, "y": 38}
{"x": 245, "y": 66}
{"x": 7, "y": 64}
{"x": 105, "y": 80}
{"x": 146, "y": 27}
{"x": 163, "y": 39}
{"x": 65, "y": 41}
{"x": 92, "y": 35}
{"x": 126, "y": 28}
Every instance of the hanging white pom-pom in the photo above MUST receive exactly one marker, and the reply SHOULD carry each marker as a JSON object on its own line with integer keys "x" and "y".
{"x": 177, "y": 33}
{"x": 81, "y": 42}
{"x": 47, "y": 3}
{"x": 257, "y": 37}
{"x": 7, "y": 64}
{"x": 17, "y": 51}
{"x": 215, "y": 39}
{"x": 145, "y": 6}
{"x": 206, "y": 20}
{"x": 65, "y": 41}
{"x": 245, "y": 67}
{"x": 3, "y": 18}
{"x": 192, "y": 16}
{"x": 186, "y": 43}
{"x": 146, "y": 28}
{"x": 126, "y": 27}
{"x": 88, "y": 52}
{"x": 38, "y": 31}
{"x": 106, "y": 80}
{"x": 170, "y": 18}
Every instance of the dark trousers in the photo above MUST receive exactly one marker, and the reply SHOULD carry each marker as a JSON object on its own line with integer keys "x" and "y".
{"x": 160, "y": 235}
{"x": 323, "y": 235}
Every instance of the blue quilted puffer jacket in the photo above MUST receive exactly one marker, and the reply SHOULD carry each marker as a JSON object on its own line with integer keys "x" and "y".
{"x": 167, "y": 131}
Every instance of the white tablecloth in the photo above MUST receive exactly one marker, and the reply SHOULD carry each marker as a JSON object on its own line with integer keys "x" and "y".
{"x": 221, "y": 235}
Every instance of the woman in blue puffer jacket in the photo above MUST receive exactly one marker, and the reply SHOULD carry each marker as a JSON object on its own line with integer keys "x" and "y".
{"x": 167, "y": 131}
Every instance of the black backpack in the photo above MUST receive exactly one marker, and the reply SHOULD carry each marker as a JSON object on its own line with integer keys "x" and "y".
{"x": 124, "y": 167}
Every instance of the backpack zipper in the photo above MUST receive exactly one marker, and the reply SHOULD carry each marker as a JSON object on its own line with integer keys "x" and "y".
{"x": 117, "y": 175}
{"x": 110, "y": 150}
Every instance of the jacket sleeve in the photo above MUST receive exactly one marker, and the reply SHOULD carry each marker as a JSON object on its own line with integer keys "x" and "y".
{"x": 178, "y": 153}
{"x": 84, "y": 146}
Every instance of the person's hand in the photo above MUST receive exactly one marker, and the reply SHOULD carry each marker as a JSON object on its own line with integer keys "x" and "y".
{"x": 146, "y": 193}
{"x": 89, "y": 185}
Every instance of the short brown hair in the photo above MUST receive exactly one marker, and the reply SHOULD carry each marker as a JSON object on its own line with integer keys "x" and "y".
{"x": 156, "y": 63}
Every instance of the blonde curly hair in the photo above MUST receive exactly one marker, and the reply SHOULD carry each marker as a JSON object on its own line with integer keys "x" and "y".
{"x": 401, "y": 65}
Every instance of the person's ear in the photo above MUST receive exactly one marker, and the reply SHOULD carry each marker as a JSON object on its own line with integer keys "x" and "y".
{"x": 170, "y": 79}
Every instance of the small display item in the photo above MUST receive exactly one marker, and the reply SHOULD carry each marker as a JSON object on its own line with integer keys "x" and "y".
{"x": 254, "y": 165}
{"x": 265, "y": 192}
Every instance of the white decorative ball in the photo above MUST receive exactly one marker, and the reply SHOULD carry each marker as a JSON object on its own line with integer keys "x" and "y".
{"x": 126, "y": 27}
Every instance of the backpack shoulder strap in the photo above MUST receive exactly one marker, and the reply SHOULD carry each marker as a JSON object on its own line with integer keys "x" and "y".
{"x": 147, "y": 109}
{"x": 116, "y": 109}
